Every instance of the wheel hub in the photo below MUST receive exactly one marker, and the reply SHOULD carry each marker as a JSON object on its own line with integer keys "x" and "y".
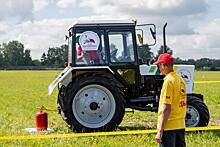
{"x": 192, "y": 116}
{"x": 188, "y": 116}
{"x": 94, "y": 106}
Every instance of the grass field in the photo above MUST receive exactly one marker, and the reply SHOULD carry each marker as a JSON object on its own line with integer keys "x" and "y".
{"x": 21, "y": 92}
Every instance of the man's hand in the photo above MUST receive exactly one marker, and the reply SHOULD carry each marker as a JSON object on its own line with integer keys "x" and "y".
{"x": 165, "y": 115}
{"x": 159, "y": 136}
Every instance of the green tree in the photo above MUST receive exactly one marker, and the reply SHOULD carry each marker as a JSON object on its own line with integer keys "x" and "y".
{"x": 1, "y": 56}
{"x": 178, "y": 60}
{"x": 160, "y": 51}
{"x": 204, "y": 63}
{"x": 55, "y": 56}
{"x": 51, "y": 56}
{"x": 65, "y": 52}
{"x": 145, "y": 54}
{"x": 27, "y": 57}
{"x": 14, "y": 53}
{"x": 43, "y": 59}
{"x": 36, "y": 62}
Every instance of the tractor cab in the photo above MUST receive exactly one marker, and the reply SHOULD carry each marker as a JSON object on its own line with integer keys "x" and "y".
{"x": 113, "y": 44}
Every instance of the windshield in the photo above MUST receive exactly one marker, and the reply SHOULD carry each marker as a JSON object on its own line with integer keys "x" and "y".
{"x": 90, "y": 47}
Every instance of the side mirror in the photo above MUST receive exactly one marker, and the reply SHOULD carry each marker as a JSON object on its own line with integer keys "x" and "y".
{"x": 153, "y": 33}
{"x": 66, "y": 37}
{"x": 70, "y": 34}
{"x": 146, "y": 34}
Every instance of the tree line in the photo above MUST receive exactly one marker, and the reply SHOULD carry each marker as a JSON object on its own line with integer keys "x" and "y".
{"x": 13, "y": 53}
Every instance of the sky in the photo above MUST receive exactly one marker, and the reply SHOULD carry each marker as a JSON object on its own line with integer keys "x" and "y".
{"x": 193, "y": 29}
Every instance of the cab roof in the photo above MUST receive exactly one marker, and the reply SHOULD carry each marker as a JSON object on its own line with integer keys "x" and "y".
{"x": 104, "y": 23}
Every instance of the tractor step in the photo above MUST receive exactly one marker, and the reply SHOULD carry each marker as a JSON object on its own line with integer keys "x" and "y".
{"x": 143, "y": 100}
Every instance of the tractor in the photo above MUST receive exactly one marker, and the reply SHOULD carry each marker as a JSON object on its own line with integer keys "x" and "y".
{"x": 106, "y": 74}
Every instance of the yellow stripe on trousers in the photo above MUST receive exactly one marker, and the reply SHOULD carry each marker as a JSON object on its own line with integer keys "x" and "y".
{"x": 48, "y": 136}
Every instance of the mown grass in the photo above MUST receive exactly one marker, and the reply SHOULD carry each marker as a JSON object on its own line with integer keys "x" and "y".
{"x": 21, "y": 92}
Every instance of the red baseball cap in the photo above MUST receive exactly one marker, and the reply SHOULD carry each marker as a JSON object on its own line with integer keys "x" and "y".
{"x": 164, "y": 58}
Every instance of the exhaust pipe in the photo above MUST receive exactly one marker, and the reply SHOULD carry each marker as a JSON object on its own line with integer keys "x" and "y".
{"x": 164, "y": 39}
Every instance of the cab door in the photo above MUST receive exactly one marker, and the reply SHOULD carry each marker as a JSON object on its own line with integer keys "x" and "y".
{"x": 123, "y": 54}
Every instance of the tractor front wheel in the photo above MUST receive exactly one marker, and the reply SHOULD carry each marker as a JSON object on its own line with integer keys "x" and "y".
{"x": 93, "y": 103}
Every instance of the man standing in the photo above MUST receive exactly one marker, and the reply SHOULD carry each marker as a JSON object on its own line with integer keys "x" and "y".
{"x": 172, "y": 106}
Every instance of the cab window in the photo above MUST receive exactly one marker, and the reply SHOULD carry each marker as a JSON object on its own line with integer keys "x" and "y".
{"x": 121, "y": 47}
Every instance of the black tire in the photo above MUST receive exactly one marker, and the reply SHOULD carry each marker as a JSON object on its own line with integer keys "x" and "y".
{"x": 60, "y": 100}
{"x": 61, "y": 97}
{"x": 86, "y": 112}
{"x": 197, "y": 113}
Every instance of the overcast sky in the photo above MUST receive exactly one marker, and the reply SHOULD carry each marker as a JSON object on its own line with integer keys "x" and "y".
{"x": 193, "y": 29}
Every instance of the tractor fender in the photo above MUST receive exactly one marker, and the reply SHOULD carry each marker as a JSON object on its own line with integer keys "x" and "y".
{"x": 65, "y": 77}
{"x": 200, "y": 96}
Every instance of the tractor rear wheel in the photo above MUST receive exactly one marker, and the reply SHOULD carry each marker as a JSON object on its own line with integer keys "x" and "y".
{"x": 197, "y": 113}
{"x": 93, "y": 103}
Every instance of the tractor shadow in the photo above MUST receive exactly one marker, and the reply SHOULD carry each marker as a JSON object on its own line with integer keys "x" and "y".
{"x": 130, "y": 128}
{"x": 141, "y": 125}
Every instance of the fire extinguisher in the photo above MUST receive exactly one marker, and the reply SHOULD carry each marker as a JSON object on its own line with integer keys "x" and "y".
{"x": 41, "y": 121}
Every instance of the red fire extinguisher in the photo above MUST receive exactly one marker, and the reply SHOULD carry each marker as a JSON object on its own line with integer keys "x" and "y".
{"x": 41, "y": 121}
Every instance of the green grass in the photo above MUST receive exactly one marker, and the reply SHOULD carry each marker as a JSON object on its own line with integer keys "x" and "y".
{"x": 21, "y": 92}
